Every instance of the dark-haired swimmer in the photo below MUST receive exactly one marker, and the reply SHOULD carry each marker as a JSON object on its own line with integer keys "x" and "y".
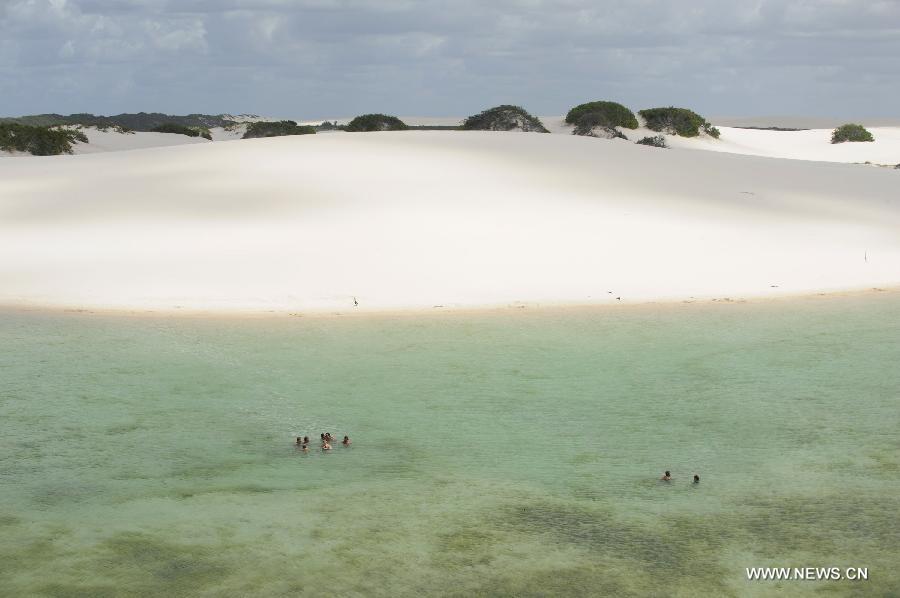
{"x": 696, "y": 479}
{"x": 667, "y": 477}
{"x": 346, "y": 441}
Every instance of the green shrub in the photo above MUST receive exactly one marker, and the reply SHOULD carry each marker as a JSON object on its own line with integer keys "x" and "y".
{"x": 655, "y": 141}
{"x": 281, "y": 128}
{"x": 375, "y": 122}
{"x": 38, "y": 141}
{"x": 677, "y": 121}
{"x": 590, "y": 123}
{"x": 183, "y": 130}
{"x": 614, "y": 114}
{"x": 504, "y": 118}
{"x": 851, "y": 132}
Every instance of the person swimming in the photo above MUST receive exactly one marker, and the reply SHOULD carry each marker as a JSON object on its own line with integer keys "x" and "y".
{"x": 304, "y": 448}
{"x": 299, "y": 441}
{"x": 306, "y": 440}
{"x": 346, "y": 441}
{"x": 326, "y": 446}
{"x": 696, "y": 479}
{"x": 667, "y": 477}
{"x": 329, "y": 437}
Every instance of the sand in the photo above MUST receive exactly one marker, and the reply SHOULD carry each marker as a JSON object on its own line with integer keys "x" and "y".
{"x": 412, "y": 220}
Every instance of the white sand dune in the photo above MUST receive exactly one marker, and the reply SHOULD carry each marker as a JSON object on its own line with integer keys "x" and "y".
{"x": 814, "y": 144}
{"x": 418, "y": 219}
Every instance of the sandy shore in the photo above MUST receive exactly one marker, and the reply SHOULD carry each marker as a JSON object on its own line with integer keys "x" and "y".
{"x": 413, "y": 220}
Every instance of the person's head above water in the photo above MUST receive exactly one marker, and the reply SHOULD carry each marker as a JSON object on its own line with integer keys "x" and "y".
{"x": 299, "y": 441}
{"x": 696, "y": 479}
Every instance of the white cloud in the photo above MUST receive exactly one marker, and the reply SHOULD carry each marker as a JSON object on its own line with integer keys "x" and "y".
{"x": 328, "y": 57}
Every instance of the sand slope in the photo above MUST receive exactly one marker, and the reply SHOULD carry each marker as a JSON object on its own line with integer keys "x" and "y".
{"x": 417, "y": 219}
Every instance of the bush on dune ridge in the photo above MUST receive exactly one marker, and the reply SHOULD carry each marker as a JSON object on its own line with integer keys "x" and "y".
{"x": 851, "y": 132}
{"x": 504, "y": 118}
{"x": 611, "y": 114}
{"x": 595, "y": 124}
{"x": 182, "y": 130}
{"x": 283, "y": 128}
{"x": 38, "y": 141}
{"x": 677, "y": 121}
{"x": 375, "y": 122}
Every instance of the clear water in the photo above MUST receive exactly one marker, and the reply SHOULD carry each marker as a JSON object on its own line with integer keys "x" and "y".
{"x": 506, "y": 453}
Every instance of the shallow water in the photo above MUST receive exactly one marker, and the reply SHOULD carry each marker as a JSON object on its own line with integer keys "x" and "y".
{"x": 503, "y": 453}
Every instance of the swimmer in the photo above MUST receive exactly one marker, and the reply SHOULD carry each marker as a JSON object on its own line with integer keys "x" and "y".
{"x": 696, "y": 479}
{"x": 304, "y": 448}
{"x": 329, "y": 437}
{"x": 299, "y": 441}
{"x": 346, "y": 441}
{"x": 667, "y": 477}
{"x": 306, "y": 440}
{"x": 326, "y": 446}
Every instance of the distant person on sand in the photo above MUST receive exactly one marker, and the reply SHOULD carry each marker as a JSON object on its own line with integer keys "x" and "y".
{"x": 696, "y": 479}
{"x": 667, "y": 477}
{"x": 346, "y": 441}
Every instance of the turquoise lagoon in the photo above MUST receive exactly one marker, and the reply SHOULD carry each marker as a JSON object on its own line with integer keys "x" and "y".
{"x": 513, "y": 452}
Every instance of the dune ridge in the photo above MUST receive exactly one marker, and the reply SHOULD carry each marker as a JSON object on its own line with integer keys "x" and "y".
{"x": 410, "y": 220}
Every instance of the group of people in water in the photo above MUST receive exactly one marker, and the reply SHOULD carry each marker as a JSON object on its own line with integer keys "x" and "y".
{"x": 667, "y": 477}
{"x": 327, "y": 439}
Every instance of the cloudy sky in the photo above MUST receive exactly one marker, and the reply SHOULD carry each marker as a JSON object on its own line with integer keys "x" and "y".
{"x": 321, "y": 58}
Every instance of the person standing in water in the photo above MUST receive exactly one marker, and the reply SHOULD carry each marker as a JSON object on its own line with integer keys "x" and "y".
{"x": 346, "y": 441}
{"x": 667, "y": 477}
{"x": 696, "y": 479}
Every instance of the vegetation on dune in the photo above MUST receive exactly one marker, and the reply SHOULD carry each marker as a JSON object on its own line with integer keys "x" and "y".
{"x": 677, "y": 121}
{"x": 504, "y": 118}
{"x": 38, "y": 141}
{"x": 280, "y": 128}
{"x": 375, "y": 122}
{"x": 611, "y": 114}
{"x": 596, "y": 124}
{"x": 328, "y": 126}
{"x": 655, "y": 141}
{"x": 851, "y": 132}
{"x": 141, "y": 121}
{"x": 182, "y": 130}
